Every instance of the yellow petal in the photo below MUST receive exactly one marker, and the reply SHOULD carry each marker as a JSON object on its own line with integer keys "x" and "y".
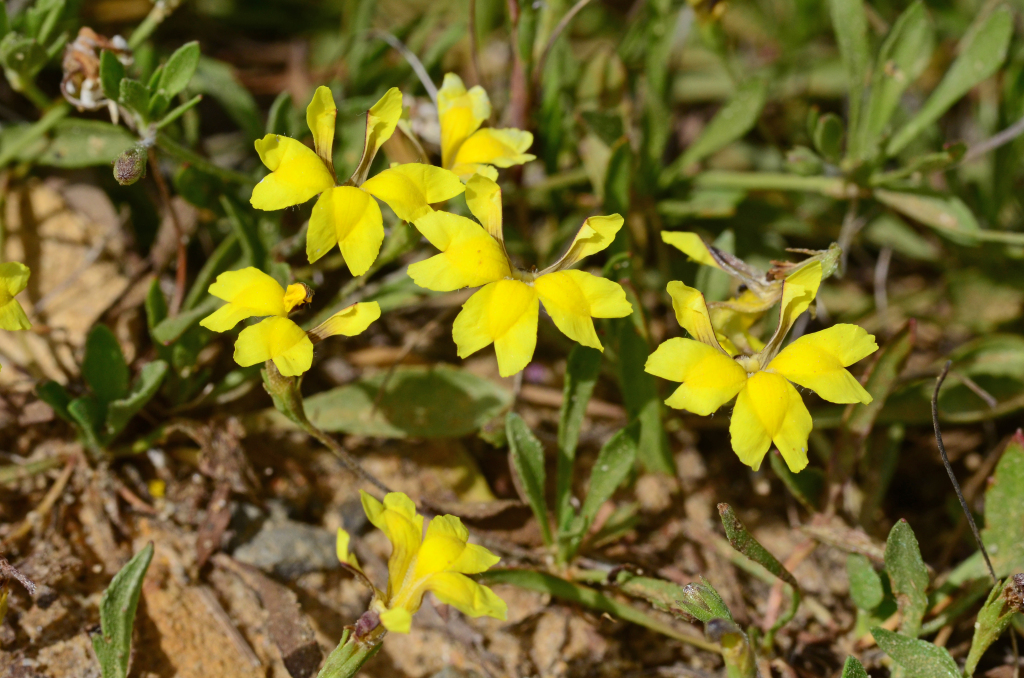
{"x": 692, "y": 313}
{"x": 12, "y": 316}
{"x": 596, "y": 234}
{"x": 817, "y": 361}
{"x": 709, "y": 378}
{"x": 13, "y": 278}
{"x": 398, "y": 520}
{"x": 277, "y": 339}
{"x": 483, "y": 197}
{"x": 296, "y": 174}
{"x": 469, "y": 257}
{"x": 410, "y": 189}
{"x": 460, "y": 113}
{"x": 692, "y": 245}
{"x": 381, "y": 120}
{"x": 320, "y": 116}
{"x": 296, "y": 295}
{"x": 466, "y": 171}
{"x": 250, "y": 293}
{"x": 573, "y": 298}
{"x": 397, "y": 620}
{"x": 505, "y": 313}
{"x": 467, "y": 596}
{"x": 770, "y": 410}
{"x": 348, "y": 321}
{"x": 798, "y": 291}
{"x": 499, "y": 147}
{"x": 351, "y": 218}
{"x": 446, "y": 549}
{"x": 341, "y": 549}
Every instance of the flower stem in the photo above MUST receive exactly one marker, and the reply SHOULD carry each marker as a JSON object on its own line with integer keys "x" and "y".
{"x": 161, "y": 10}
{"x": 776, "y": 181}
{"x": 188, "y": 156}
{"x": 351, "y": 654}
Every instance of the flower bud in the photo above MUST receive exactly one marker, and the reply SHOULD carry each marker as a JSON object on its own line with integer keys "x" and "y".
{"x": 130, "y": 166}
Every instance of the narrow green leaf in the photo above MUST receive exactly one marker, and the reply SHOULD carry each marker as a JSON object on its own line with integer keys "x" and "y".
{"x": 919, "y": 658}
{"x": 853, "y": 669}
{"x": 223, "y": 256}
{"x": 134, "y": 96}
{"x": 527, "y": 455}
{"x": 156, "y": 305}
{"x": 179, "y": 111}
{"x": 640, "y": 393}
{"x": 1004, "y": 511}
{"x": 993, "y": 618}
{"x": 982, "y": 51}
{"x": 218, "y": 80}
{"x": 850, "y": 23}
{"x": 178, "y": 70}
{"x": 947, "y": 215}
{"x": 737, "y": 117}
{"x": 583, "y": 595}
{"x": 104, "y": 368}
{"x": 699, "y": 600}
{"x": 87, "y": 413}
{"x": 277, "y": 117}
{"x": 807, "y": 486}
{"x": 865, "y": 584}
{"x": 744, "y": 542}
{"x": 714, "y": 282}
{"x": 908, "y": 576}
{"x": 614, "y": 463}
{"x": 56, "y": 396}
{"x": 111, "y": 73}
{"x": 117, "y": 615}
{"x": 882, "y": 380}
{"x": 119, "y": 412}
{"x": 168, "y": 331}
{"x": 581, "y": 372}
{"x": 828, "y": 137}
{"x": 244, "y": 229}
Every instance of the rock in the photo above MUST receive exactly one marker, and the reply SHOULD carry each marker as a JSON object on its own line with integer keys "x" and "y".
{"x": 289, "y": 549}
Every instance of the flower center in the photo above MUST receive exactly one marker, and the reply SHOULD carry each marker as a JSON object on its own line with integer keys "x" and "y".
{"x": 748, "y": 363}
{"x": 523, "y": 276}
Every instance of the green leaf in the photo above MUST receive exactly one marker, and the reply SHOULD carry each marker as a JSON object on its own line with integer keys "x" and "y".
{"x": 865, "y": 584}
{"x": 22, "y": 58}
{"x": 828, "y": 137}
{"x": 417, "y": 402}
{"x": 277, "y": 117}
{"x": 218, "y": 80}
{"x": 103, "y": 367}
{"x": 850, "y": 24}
{"x": 981, "y": 52}
{"x": 904, "y": 56}
{"x": 711, "y": 203}
{"x": 87, "y": 413}
{"x": 744, "y": 542}
{"x": 78, "y": 143}
{"x": 919, "y": 658}
{"x": 244, "y": 228}
{"x": 156, "y": 305}
{"x": 908, "y": 577}
{"x": 888, "y": 230}
{"x": 700, "y": 601}
{"x": 179, "y": 111}
{"x": 614, "y": 463}
{"x": 178, "y": 70}
{"x": 527, "y": 456}
{"x": 119, "y": 412}
{"x": 737, "y": 117}
{"x": 169, "y": 330}
{"x": 853, "y": 669}
{"x": 947, "y": 215}
{"x": 993, "y": 618}
{"x": 714, "y": 282}
{"x": 883, "y": 378}
{"x": 56, "y": 396}
{"x": 1004, "y": 511}
{"x": 221, "y": 260}
{"x": 134, "y": 96}
{"x": 111, "y": 73}
{"x": 583, "y": 595}
{"x": 581, "y": 372}
{"x": 117, "y": 615}
{"x": 806, "y": 486}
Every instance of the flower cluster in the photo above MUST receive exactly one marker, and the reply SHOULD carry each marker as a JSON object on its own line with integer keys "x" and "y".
{"x": 437, "y": 562}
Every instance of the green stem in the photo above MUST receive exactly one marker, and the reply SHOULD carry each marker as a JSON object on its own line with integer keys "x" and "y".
{"x": 187, "y": 155}
{"x": 35, "y": 131}
{"x": 161, "y": 10}
{"x": 351, "y": 654}
{"x": 32, "y": 92}
{"x": 835, "y": 187}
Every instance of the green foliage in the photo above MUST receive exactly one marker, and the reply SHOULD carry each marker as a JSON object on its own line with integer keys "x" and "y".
{"x": 581, "y": 372}
{"x": 908, "y": 577}
{"x": 527, "y": 455}
{"x": 993, "y": 618}
{"x": 853, "y": 669}
{"x": 1003, "y": 533}
{"x": 865, "y": 584}
{"x": 919, "y": 658}
{"x": 117, "y": 615}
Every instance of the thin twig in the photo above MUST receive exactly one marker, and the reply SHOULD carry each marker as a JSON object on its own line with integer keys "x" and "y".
{"x": 555, "y": 34}
{"x": 949, "y": 469}
{"x": 347, "y": 459}
{"x": 993, "y": 142}
{"x": 412, "y": 59}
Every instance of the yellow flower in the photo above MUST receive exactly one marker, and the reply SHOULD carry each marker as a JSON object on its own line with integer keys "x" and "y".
{"x": 768, "y": 408}
{"x": 465, "y": 148}
{"x": 505, "y": 310}
{"x": 733, "y": 318}
{"x": 251, "y": 293}
{"x": 437, "y": 562}
{"x": 347, "y": 215}
{"x": 13, "y": 279}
